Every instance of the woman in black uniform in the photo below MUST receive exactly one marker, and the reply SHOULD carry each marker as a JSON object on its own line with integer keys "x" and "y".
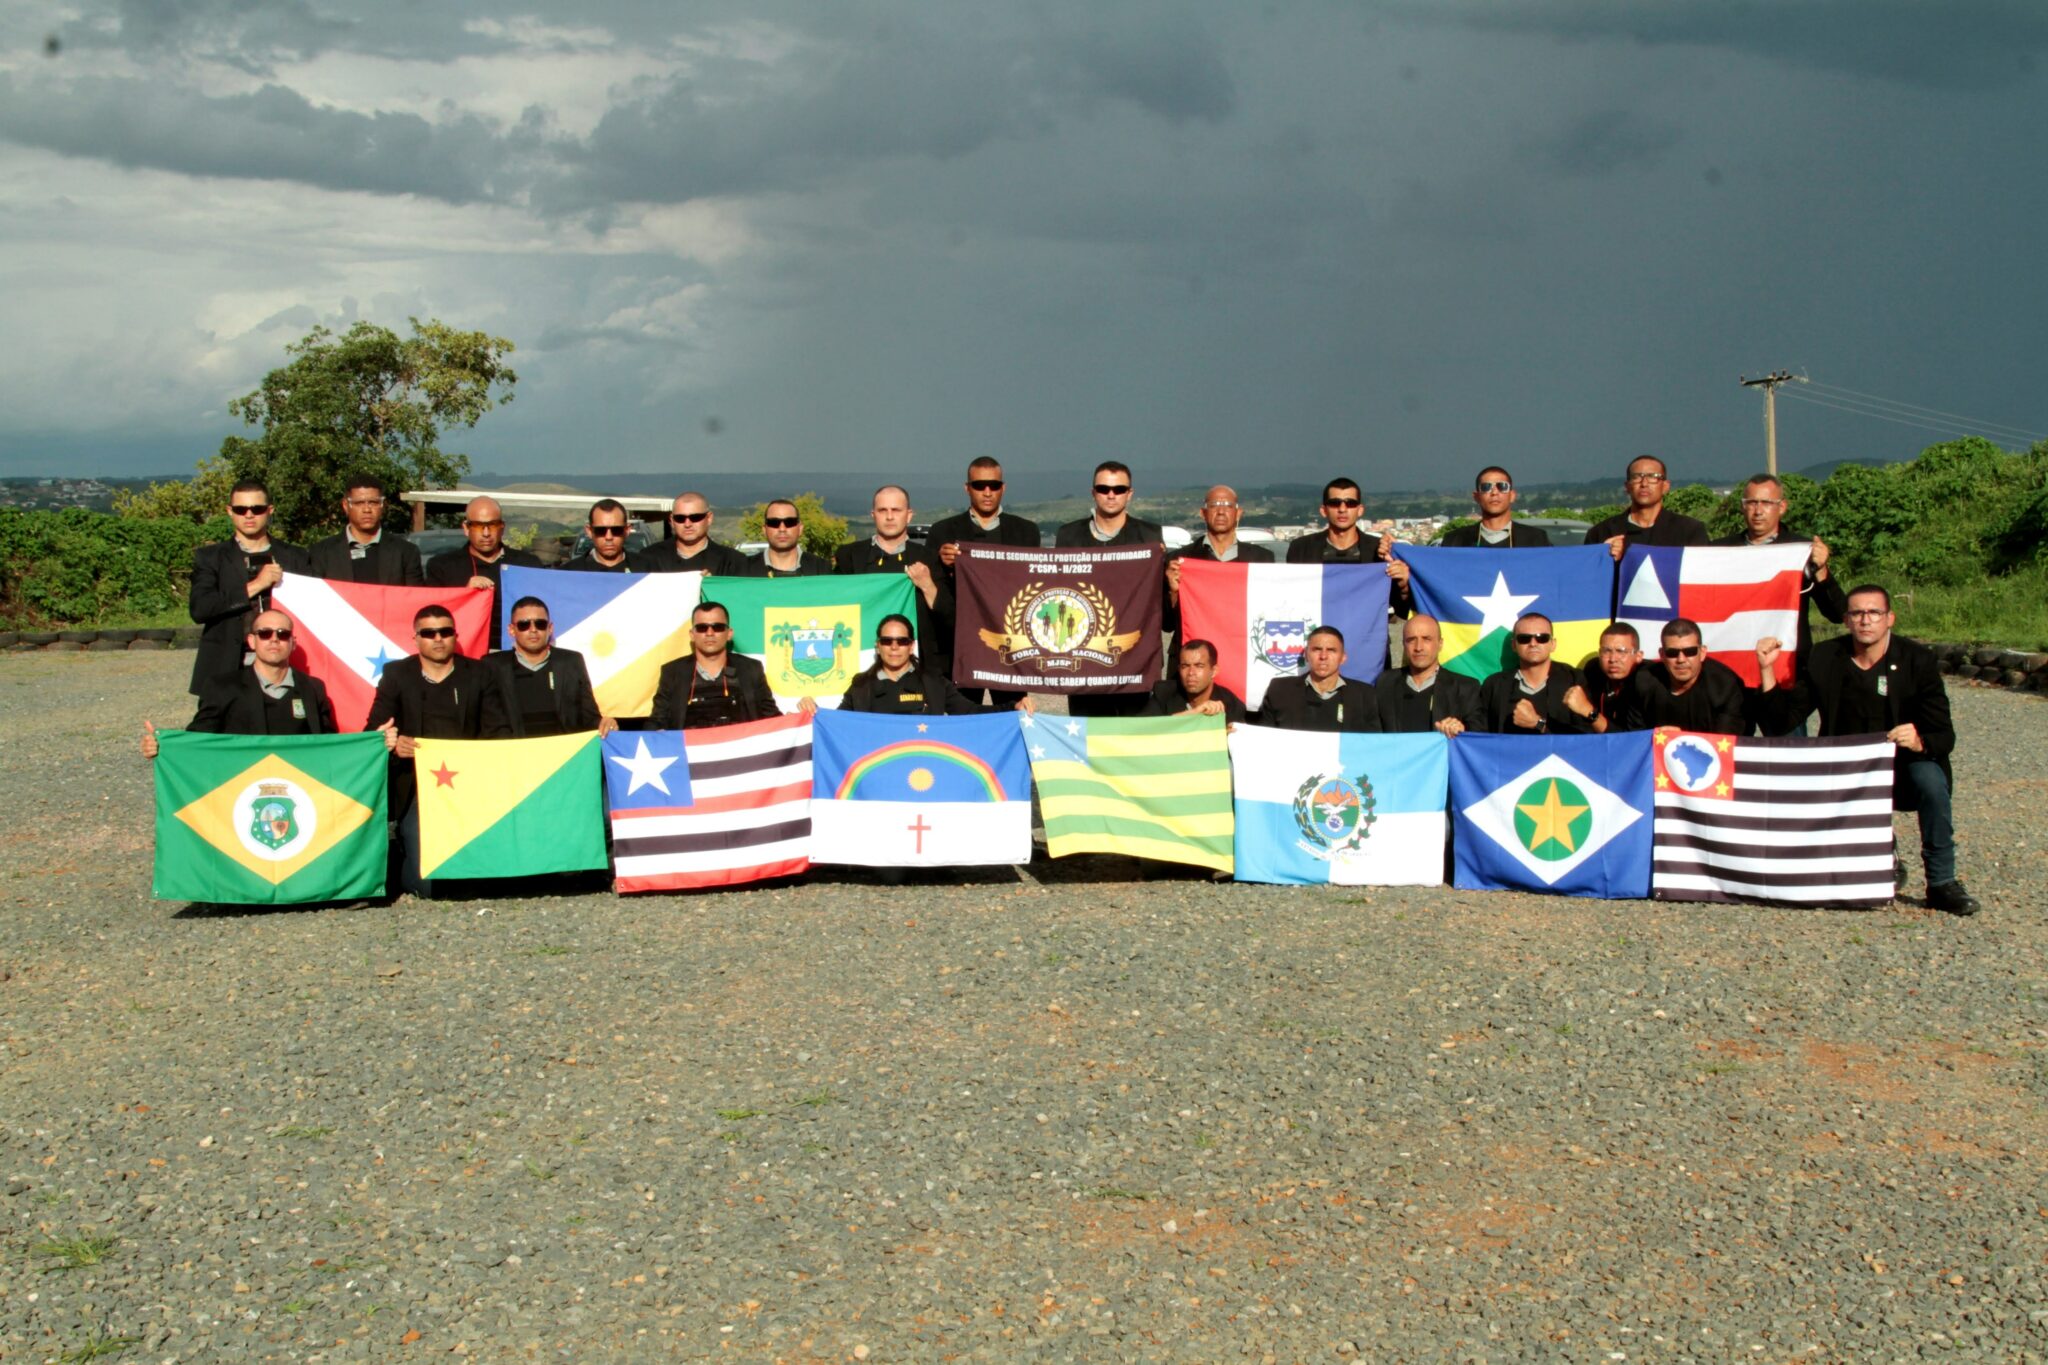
{"x": 899, "y": 685}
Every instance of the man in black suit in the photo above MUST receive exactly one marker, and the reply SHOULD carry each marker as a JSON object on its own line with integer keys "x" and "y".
{"x": 479, "y": 563}
{"x": 1685, "y": 688}
{"x": 1872, "y": 682}
{"x": 1323, "y": 699}
{"x": 1493, "y": 492}
{"x": 1422, "y": 695}
{"x": 1647, "y": 520}
{"x": 267, "y": 697}
{"x": 1342, "y": 542}
{"x": 362, "y": 552}
{"x": 231, "y": 582}
{"x": 690, "y": 548}
{"x": 608, "y": 529}
{"x": 544, "y": 690}
{"x": 889, "y": 550}
{"x": 1219, "y": 544}
{"x": 1537, "y": 696}
{"x": 712, "y": 685}
{"x": 1111, "y": 523}
{"x": 983, "y": 523}
{"x": 1607, "y": 677}
{"x": 1194, "y": 688}
{"x": 782, "y": 526}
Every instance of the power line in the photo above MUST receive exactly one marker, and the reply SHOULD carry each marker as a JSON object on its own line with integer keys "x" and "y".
{"x": 1924, "y": 423}
{"x": 1843, "y": 391}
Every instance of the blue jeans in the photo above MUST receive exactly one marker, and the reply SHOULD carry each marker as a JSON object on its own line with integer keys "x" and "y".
{"x": 1937, "y": 820}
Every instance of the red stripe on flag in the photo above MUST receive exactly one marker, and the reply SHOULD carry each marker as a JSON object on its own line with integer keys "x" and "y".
{"x": 713, "y": 805}
{"x": 712, "y": 877}
{"x": 1213, "y": 607}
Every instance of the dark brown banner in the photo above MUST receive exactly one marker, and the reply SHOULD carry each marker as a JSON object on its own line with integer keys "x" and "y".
{"x": 1058, "y": 620}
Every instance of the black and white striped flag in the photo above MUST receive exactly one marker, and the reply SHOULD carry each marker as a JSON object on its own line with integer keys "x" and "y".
{"x": 1799, "y": 821}
{"x": 714, "y": 807}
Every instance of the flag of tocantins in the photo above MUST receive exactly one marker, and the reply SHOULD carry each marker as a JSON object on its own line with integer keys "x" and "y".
{"x": 812, "y": 635}
{"x": 716, "y": 807}
{"x": 349, "y": 631}
{"x": 1796, "y": 821}
{"x": 509, "y": 807}
{"x": 1150, "y": 787}
{"x": 919, "y": 791}
{"x": 1259, "y": 615}
{"x": 269, "y": 819}
{"x": 1564, "y": 814}
{"x": 625, "y": 625}
{"x": 1477, "y": 595}
{"x": 1357, "y": 810}
{"x": 1735, "y": 594}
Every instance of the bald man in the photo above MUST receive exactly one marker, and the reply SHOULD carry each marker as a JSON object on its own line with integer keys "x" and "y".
{"x": 1422, "y": 695}
{"x": 478, "y": 563}
{"x": 1218, "y": 544}
{"x": 689, "y": 546}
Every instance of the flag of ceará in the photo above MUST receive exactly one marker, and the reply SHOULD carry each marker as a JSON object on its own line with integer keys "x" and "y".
{"x": 710, "y": 807}
{"x": 1477, "y": 595}
{"x": 1359, "y": 810}
{"x": 919, "y": 791}
{"x": 1567, "y": 814}
{"x": 269, "y": 819}
{"x": 510, "y": 807}
{"x": 347, "y": 632}
{"x": 1259, "y": 615}
{"x": 1736, "y": 594}
{"x": 1149, "y": 786}
{"x": 812, "y": 634}
{"x": 1797, "y": 821}
{"x": 625, "y": 625}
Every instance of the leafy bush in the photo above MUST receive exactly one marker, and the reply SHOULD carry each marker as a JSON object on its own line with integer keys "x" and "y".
{"x": 76, "y": 567}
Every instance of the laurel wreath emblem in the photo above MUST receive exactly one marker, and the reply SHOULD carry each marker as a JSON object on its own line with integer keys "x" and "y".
{"x": 1368, "y": 804}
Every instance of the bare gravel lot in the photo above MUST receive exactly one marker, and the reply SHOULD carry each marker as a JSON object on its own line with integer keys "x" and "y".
{"x": 1076, "y": 1112}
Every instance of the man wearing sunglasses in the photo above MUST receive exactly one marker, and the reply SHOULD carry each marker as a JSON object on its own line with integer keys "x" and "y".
{"x": 782, "y": 526}
{"x": 478, "y": 563}
{"x": 1341, "y": 542}
{"x": 1111, "y": 523}
{"x": 362, "y": 553}
{"x": 1872, "y": 682}
{"x": 231, "y": 582}
{"x": 544, "y": 690}
{"x": 711, "y": 686}
{"x": 1537, "y": 696}
{"x": 690, "y": 547}
{"x": 1493, "y": 492}
{"x": 1687, "y": 689}
{"x": 267, "y": 697}
{"x": 1646, "y": 520}
{"x": 983, "y": 523}
{"x": 608, "y": 529}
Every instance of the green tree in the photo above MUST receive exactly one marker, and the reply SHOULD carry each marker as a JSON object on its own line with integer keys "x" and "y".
{"x": 824, "y": 533}
{"x": 365, "y": 402}
{"x": 196, "y": 499}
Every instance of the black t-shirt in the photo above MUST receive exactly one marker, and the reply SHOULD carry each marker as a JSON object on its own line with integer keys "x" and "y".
{"x": 440, "y": 709}
{"x": 533, "y": 696}
{"x": 278, "y": 717}
{"x": 1863, "y": 709}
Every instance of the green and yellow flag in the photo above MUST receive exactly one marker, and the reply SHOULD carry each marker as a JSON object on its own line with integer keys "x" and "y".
{"x": 1478, "y": 595}
{"x": 269, "y": 819}
{"x": 811, "y": 634}
{"x": 1150, "y": 787}
{"x": 510, "y": 807}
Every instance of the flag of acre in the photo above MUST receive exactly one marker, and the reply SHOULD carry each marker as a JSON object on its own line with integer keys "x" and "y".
{"x": 1477, "y": 595}
{"x": 812, "y": 634}
{"x": 1150, "y": 787}
{"x": 510, "y": 807}
{"x": 269, "y": 819}
{"x": 625, "y": 625}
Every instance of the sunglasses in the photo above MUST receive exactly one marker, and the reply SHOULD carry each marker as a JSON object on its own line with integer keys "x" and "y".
{"x": 486, "y": 525}
{"x": 1110, "y": 490}
{"x": 435, "y": 632}
{"x": 272, "y": 632}
{"x": 531, "y": 623}
{"x": 903, "y": 640}
{"x": 1493, "y": 486}
{"x": 254, "y": 509}
{"x": 597, "y": 531}
{"x": 687, "y": 518}
{"x": 1680, "y": 651}
{"x": 709, "y": 627}
{"x": 1343, "y": 502}
{"x": 1644, "y": 478}
{"x": 985, "y": 485}
{"x": 1532, "y": 637}
{"x": 781, "y": 523}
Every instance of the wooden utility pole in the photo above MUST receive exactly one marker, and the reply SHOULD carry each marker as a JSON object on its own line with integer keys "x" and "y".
{"x": 1769, "y": 384}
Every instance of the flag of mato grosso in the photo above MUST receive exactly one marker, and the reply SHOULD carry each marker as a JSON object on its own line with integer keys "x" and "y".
{"x": 1564, "y": 814}
{"x": 811, "y": 634}
{"x": 1735, "y": 594}
{"x": 347, "y": 632}
{"x": 269, "y": 819}
{"x": 625, "y": 625}
{"x": 1259, "y": 615}
{"x": 510, "y": 807}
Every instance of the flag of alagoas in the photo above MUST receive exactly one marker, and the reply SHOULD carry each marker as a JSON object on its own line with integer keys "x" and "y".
{"x": 1564, "y": 814}
{"x": 347, "y": 632}
{"x": 919, "y": 791}
{"x": 812, "y": 634}
{"x": 510, "y": 807}
{"x": 625, "y": 625}
{"x": 1357, "y": 810}
{"x": 1259, "y": 615}
{"x": 1476, "y": 595}
{"x": 1152, "y": 787}
{"x": 269, "y": 819}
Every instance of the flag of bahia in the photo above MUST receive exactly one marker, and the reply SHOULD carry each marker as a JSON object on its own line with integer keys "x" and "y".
{"x": 269, "y": 819}
{"x": 1556, "y": 813}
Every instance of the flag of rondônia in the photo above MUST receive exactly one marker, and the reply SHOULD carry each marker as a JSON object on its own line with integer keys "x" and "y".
{"x": 510, "y": 807}
{"x": 269, "y": 819}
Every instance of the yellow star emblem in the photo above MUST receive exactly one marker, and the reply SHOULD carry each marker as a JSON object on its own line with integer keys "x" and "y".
{"x": 1725, "y": 745}
{"x": 1553, "y": 820}
{"x": 1662, "y": 782}
{"x": 1720, "y": 789}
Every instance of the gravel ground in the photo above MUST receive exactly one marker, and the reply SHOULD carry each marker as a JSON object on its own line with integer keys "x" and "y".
{"x": 1076, "y": 1112}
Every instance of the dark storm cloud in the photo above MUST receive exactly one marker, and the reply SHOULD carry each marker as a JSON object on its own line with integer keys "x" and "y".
{"x": 1605, "y": 141}
{"x": 256, "y": 35}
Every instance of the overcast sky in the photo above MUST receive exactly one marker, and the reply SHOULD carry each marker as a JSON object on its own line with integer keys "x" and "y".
{"x": 1211, "y": 239}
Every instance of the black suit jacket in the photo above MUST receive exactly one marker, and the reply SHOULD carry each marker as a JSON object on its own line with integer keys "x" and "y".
{"x": 1670, "y": 528}
{"x": 575, "y": 703}
{"x": 1499, "y": 693}
{"x": 746, "y": 677}
{"x": 1167, "y": 699}
{"x": 1914, "y": 695}
{"x": 1075, "y": 535}
{"x": 393, "y": 561}
{"x": 934, "y": 640}
{"x": 1288, "y": 707}
{"x": 808, "y": 565}
{"x": 714, "y": 559}
{"x": 454, "y": 568}
{"x": 1452, "y": 697}
{"x": 939, "y": 696}
{"x": 401, "y": 696}
{"x": 1520, "y": 537}
{"x": 238, "y": 706}
{"x": 1719, "y": 703}
{"x": 220, "y": 602}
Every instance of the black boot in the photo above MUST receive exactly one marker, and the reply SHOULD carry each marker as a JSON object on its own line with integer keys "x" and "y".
{"x": 1951, "y": 897}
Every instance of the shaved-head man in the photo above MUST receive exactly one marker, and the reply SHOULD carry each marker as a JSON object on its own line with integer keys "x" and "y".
{"x": 689, "y": 546}
{"x": 1422, "y": 695}
{"x": 477, "y": 563}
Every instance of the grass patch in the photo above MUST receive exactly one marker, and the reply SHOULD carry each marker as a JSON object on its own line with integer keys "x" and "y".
{"x": 818, "y": 1099}
{"x": 536, "y": 1170}
{"x": 1721, "y": 1068}
{"x": 732, "y": 1137}
{"x": 814, "y": 1147}
{"x": 1564, "y": 1030}
{"x": 75, "y": 1253}
{"x": 1204, "y": 1141}
{"x": 304, "y": 1130}
{"x": 96, "y": 1346}
{"x": 296, "y": 1306}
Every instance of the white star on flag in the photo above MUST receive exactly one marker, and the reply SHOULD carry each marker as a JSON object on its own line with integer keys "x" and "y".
{"x": 646, "y": 769}
{"x": 1500, "y": 607}
{"x": 1073, "y": 727}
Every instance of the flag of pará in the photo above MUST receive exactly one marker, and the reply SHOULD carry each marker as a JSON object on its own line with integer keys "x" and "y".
{"x": 1358, "y": 810}
{"x": 919, "y": 791}
{"x": 1259, "y": 615}
{"x": 713, "y": 807}
{"x": 812, "y": 634}
{"x": 1152, "y": 787}
{"x": 510, "y": 807}
{"x": 625, "y": 625}
{"x": 1477, "y": 595}
{"x": 269, "y": 819}
{"x": 347, "y": 632}
{"x": 1736, "y": 594}
{"x": 1568, "y": 814}
{"x": 1797, "y": 821}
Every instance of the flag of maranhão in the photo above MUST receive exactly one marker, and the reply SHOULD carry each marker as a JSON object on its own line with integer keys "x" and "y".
{"x": 1566, "y": 814}
{"x": 510, "y": 807}
{"x": 1477, "y": 595}
{"x": 896, "y": 791}
{"x": 625, "y": 625}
